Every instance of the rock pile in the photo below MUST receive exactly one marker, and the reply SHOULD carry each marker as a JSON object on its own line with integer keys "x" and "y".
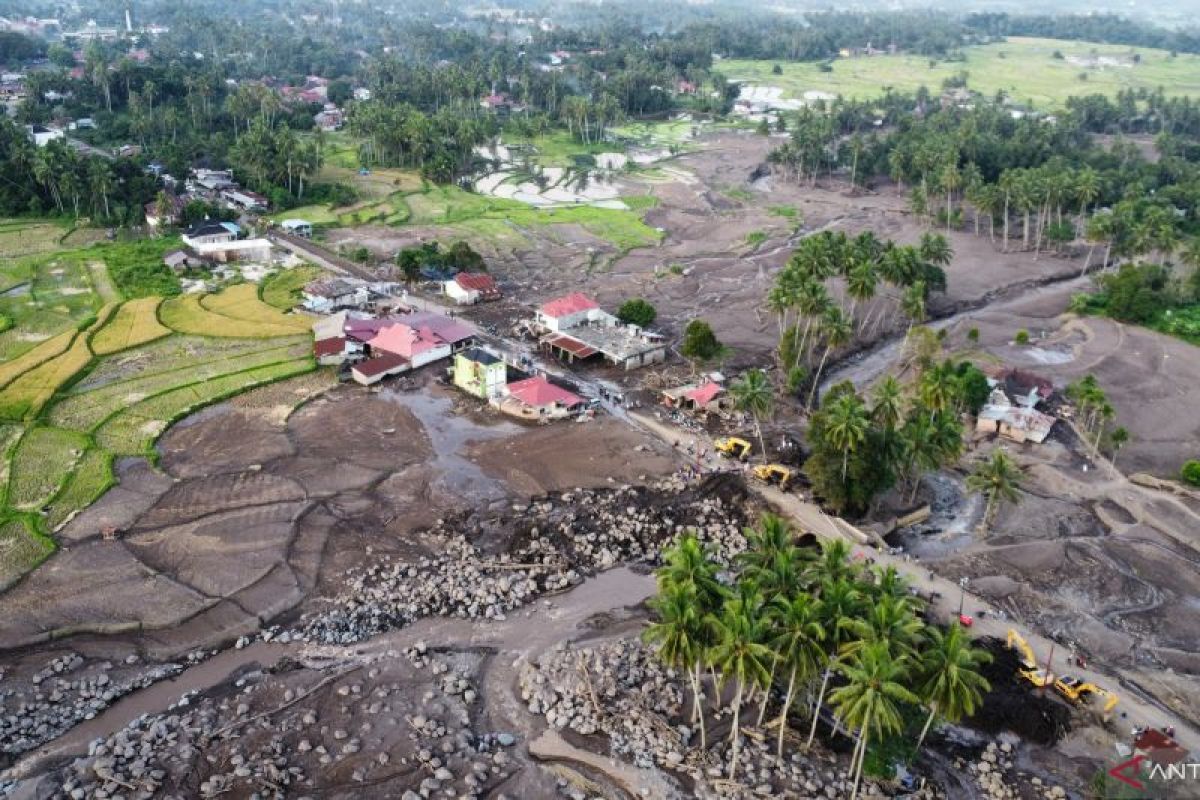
{"x": 400, "y": 724}
{"x": 549, "y": 545}
{"x": 64, "y": 692}
{"x": 620, "y": 690}
{"x": 996, "y": 775}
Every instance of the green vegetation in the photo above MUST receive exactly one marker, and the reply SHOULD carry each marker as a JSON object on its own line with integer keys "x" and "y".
{"x": 111, "y": 383}
{"x": 756, "y": 238}
{"x": 41, "y": 462}
{"x": 137, "y": 267}
{"x": 699, "y": 342}
{"x": 1022, "y": 337}
{"x": 637, "y": 311}
{"x": 29, "y": 237}
{"x": 1190, "y": 473}
{"x": 21, "y": 549}
{"x": 997, "y": 479}
{"x": 282, "y": 290}
{"x": 810, "y": 624}
{"x": 1022, "y": 68}
{"x": 787, "y": 212}
{"x": 1150, "y": 295}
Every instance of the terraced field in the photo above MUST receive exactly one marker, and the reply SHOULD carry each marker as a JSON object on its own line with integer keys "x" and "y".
{"x": 111, "y": 383}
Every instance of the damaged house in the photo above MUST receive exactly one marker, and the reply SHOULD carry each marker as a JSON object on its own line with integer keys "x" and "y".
{"x": 575, "y": 328}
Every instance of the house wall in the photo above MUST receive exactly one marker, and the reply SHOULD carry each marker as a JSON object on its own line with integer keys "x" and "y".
{"x": 464, "y": 297}
{"x": 482, "y": 381}
{"x": 431, "y": 355}
{"x": 648, "y": 357}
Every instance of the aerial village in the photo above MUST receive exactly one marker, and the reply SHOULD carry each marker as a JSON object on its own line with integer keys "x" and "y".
{"x": 345, "y": 511}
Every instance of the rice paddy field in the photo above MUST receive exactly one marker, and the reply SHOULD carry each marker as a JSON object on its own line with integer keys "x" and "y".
{"x": 1028, "y": 70}
{"x": 87, "y": 375}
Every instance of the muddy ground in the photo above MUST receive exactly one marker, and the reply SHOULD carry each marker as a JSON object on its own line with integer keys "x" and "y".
{"x": 705, "y": 221}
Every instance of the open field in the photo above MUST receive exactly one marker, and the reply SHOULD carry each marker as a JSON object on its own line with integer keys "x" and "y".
{"x": 29, "y": 237}
{"x": 135, "y": 322}
{"x": 1024, "y": 68}
{"x": 80, "y": 366}
{"x": 282, "y": 289}
{"x": 186, "y": 314}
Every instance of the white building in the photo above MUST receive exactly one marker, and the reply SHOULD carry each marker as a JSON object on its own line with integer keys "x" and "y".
{"x": 571, "y": 311}
{"x": 42, "y": 136}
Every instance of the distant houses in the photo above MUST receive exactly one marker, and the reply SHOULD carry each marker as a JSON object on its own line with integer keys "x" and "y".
{"x": 42, "y": 135}
{"x": 297, "y": 227}
{"x": 218, "y": 241}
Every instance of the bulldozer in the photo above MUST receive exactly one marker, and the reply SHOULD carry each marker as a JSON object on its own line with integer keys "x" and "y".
{"x": 733, "y": 447}
{"x": 776, "y": 474}
{"x": 1078, "y": 691}
{"x": 1029, "y": 669}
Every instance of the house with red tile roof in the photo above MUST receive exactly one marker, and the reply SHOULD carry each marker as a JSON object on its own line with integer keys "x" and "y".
{"x": 570, "y": 311}
{"x": 469, "y": 288}
{"x": 538, "y": 399}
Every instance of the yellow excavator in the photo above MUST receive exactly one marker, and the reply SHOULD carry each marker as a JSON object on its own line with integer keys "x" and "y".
{"x": 1078, "y": 691}
{"x": 774, "y": 474}
{"x": 733, "y": 447}
{"x": 1029, "y": 669}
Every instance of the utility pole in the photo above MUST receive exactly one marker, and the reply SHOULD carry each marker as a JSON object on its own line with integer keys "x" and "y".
{"x": 962, "y": 594}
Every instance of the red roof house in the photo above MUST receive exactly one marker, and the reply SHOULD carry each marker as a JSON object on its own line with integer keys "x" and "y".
{"x": 541, "y": 394}
{"x": 703, "y": 395}
{"x": 568, "y": 305}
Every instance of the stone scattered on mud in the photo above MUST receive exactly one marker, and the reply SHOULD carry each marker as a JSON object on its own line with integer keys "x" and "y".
{"x": 548, "y": 546}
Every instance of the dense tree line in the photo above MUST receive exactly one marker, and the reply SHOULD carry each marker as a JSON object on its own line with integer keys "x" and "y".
{"x": 58, "y": 180}
{"x": 1103, "y": 28}
{"x": 784, "y": 623}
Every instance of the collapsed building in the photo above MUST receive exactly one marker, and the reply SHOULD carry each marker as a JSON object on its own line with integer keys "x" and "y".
{"x": 575, "y": 328}
{"x": 1011, "y": 409}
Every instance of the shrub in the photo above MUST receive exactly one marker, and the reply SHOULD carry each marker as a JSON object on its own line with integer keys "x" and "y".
{"x": 973, "y": 335}
{"x": 1191, "y": 472}
{"x": 637, "y": 312}
{"x": 1022, "y": 337}
{"x": 699, "y": 341}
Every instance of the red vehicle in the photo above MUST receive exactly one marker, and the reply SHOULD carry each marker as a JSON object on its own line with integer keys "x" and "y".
{"x": 966, "y": 620}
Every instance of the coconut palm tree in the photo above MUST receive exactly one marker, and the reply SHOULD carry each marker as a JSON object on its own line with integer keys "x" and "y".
{"x": 935, "y": 249}
{"x": 754, "y": 395}
{"x": 887, "y": 403}
{"x": 938, "y": 388}
{"x": 690, "y": 564}
{"x": 860, "y": 285}
{"x": 1117, "y": 439}
{"x": 951, "y": 683}
{"x": 875, "y": 690}
{"x": 797, "y": 644}
{"x": 912, "y": 304}
{"x": 890, "y": 620}
{"x": 846, "y": 425}
{"x": 679, "y": 637}
{"x": 837, "y": 332}
{"x": 840, "y": 604}
{"x": 741, "y": 655}
{"x": 998, "y": 479}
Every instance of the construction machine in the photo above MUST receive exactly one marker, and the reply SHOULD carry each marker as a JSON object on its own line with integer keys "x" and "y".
{"x": 1078, "y": 691}
{"x": 733, "y": 447}
{"x": 774, "y": 474}
{"x": 1029, "y": 669}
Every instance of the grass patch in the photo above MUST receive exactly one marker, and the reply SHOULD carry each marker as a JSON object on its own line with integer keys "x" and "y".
{"x": 1024, "y": 68}
{"x": 282, "y": 289}
{"x": 787, "y": 212}
{"x": 640, "y": 202}
{"x": 241, "y": 302}
{"x": 102, "y": 283}
{"x": 43, "y": 460}
{"x": 92, "y": 477}
{"x": 21, "y": 549}
{"x": 756, "y": 238}
{"x": 560, "y": 149}
{"x": 739, "y": 194}
{"x": 134, "y": 430}
{"x": 1183, "y": 323}
{"x": 137, "y": 268}
{"x": 28, "y": 237}
{"x": 135, "y": 323}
